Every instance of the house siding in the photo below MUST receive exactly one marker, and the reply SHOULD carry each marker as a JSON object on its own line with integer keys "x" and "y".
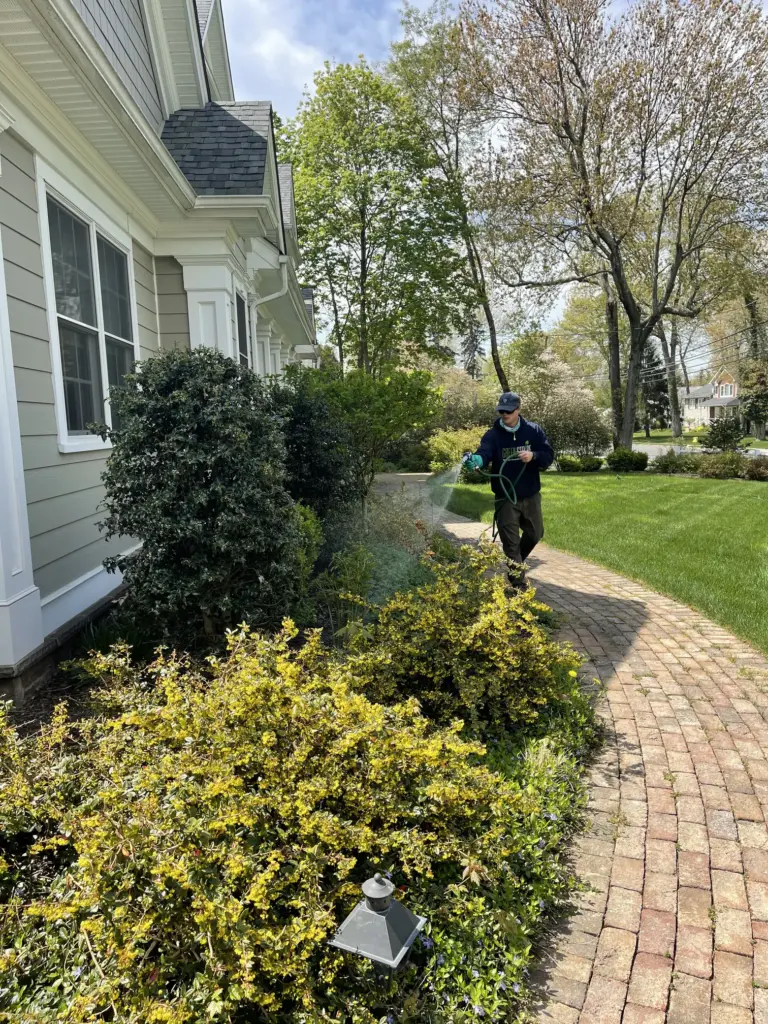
{"x": 173, "y": 312}
{"x": 118, "y": 28}
{"x": 146, "y": 300}
{"x": 63, "y": 491}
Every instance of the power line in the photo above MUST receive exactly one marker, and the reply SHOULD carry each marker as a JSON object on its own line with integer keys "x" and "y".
{"x": 706, "y": 345}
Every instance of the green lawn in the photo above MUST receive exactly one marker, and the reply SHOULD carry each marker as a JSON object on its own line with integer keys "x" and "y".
{"x": 665, "y": 437}
{"x": 703, "y": 542}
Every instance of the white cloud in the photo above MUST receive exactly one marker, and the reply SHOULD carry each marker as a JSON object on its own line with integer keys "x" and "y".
{"x": 275, "y": 46}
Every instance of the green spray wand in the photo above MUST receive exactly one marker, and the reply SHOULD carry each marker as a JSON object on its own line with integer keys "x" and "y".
{"x": 507, "y": 485}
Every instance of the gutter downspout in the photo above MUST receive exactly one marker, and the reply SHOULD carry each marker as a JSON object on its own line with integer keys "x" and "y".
{"x": 283, "y": 289}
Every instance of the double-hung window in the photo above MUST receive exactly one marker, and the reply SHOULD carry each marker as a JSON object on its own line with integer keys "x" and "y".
{"x": 94, "y": 317}
{"x": 242, "y": 329}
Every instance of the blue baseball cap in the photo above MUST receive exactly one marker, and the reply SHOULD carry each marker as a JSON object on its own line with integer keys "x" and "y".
{"x": 508, "y": 402}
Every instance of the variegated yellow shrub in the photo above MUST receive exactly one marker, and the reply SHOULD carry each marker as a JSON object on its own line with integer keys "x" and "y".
{"x": 465, "y": 649}
{"x": 185, "y": 857}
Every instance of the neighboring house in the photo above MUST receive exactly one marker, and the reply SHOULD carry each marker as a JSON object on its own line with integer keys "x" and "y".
{"x": 141, "y": 208}
{"x": 703, "y": 404}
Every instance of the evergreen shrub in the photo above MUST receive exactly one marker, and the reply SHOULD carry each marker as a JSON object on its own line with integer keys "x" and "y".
{"x": 196, "y": 474}
{"x": 624, "y": 460}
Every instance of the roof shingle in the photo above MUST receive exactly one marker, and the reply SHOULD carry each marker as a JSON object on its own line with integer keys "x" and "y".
{"x": 221, "y": 148}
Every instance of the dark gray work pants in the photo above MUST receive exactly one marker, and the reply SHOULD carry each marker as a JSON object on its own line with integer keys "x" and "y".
{"x": 521, "y": 526}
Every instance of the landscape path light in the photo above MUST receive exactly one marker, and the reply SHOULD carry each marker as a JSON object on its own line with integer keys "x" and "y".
{"x": 379, "y": 928}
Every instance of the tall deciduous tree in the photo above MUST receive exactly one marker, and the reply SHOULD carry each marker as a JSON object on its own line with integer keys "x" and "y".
{"x": 632, "y": 146}
{"x": 427, "y": 65}
{"x": 377, "y": 235}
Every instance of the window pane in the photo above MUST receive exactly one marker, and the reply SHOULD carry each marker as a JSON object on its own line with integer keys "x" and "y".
{"x": 72, "y": 270}
{"x": 119, "y": 362}
{"x": 115, "y": 294}
{"x": 242, "y": 331}
{"x": 82, "y": 378}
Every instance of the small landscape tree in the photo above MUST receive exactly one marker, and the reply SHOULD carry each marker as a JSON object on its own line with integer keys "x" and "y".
{"x": 377, "y": 411}
{"x": 196, "y": 474}
{"x": 725, "y": 435}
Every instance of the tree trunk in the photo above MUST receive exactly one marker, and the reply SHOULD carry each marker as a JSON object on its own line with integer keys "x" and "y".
{"x": 755, "y": 327}
{"x": 614, "y": 358}
{"x": 637, "y": 344}
{"x": 478, "y": 279}
{"x": 669, "y": 351}
{"x": 363, "y": 362}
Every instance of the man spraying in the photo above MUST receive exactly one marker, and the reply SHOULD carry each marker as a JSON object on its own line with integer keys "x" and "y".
{"x": 518, "y": 451}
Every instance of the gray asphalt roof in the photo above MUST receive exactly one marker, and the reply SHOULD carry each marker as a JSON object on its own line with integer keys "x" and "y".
{"x": 221, "y": 148}
{"x": 702, "y": 391}
{"x": 285, "y": 177}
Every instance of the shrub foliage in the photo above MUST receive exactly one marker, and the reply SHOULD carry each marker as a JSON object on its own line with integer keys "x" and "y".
{"x": 196, "y": 474}
{"x": 724, "y": 435}
{"x": 624, "y": 460}
{"x": 317, "y": 453}
{"x": 464, "y": 649}
{"x": 186, "y": 855}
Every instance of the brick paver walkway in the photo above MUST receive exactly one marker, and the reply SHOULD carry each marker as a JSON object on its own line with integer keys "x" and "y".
{"x": 674, "y": 925}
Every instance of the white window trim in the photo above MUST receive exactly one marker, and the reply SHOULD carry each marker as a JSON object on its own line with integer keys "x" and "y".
{"x": 50, "y": 183}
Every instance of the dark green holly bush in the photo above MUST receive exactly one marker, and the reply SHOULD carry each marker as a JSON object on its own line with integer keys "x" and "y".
{"x": 590, "y": 463}
{"x": 196, "y": 474}
{"x": 624, "y": 460}
{"x": 569, "y": 464}
{"x": 317, "y": 453}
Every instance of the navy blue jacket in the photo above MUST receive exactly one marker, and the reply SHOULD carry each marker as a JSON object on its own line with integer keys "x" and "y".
{"x": 498, "y": 443}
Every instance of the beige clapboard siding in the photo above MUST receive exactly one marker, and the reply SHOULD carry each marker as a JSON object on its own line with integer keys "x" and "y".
{"x": 173, "y": 312}
{"x": 63, "y": 491}
{"x": 146, "y": 301}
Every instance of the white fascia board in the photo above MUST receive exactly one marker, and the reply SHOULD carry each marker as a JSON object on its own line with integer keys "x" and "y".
{"x": 217, "y": 13}
{"x": 65, "y": 31}
{"x": 198, "y": 57}
{"x": 161, "y": 53}
{"x": 53, "y": 137}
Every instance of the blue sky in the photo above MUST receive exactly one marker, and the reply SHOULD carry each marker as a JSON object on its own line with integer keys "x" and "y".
{"x": 275, "y": 46}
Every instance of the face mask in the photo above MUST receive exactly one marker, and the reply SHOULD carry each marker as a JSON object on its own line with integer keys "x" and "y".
{"x": 510, "y": 430}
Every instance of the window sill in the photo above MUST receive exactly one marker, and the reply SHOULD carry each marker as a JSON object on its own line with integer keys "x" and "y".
{"x": 83, "y": 444}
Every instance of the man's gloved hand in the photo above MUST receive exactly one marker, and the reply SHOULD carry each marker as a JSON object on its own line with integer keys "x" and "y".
{"x": 473, "y": 461}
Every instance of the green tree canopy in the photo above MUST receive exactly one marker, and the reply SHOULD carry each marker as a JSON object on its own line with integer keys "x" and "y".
{"x": 377, "y": 236}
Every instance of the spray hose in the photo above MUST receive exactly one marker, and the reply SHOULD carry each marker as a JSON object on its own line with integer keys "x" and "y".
{"x": 507, "y": 485}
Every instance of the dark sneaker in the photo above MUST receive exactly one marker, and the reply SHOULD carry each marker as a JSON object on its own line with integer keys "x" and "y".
{"x": 518, "y": 581}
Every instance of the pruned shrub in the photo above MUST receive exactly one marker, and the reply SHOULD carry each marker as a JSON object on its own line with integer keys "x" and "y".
{"x": 624, "y": 460}
{"x": 196, "y": 473}
{"x": 463, "y": 649}
{"x": 185, "y": 856}
{"x": 667, "y": 462}
{"x": 590, "y": 463}
{"x": 569, "y": 464}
